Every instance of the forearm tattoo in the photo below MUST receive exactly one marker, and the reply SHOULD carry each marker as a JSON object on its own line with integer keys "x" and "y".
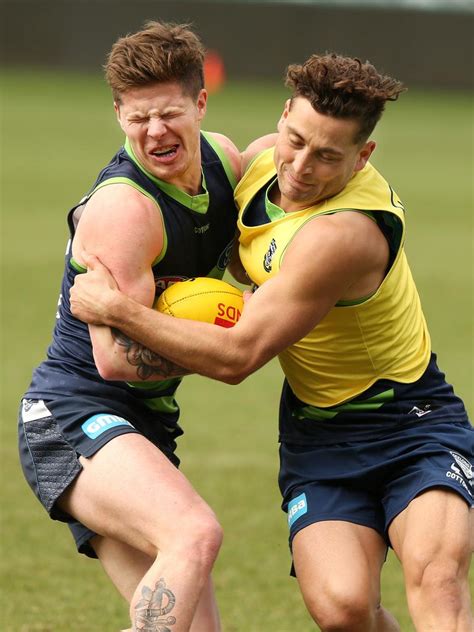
{"x": 152, "y": 609}
{"x": 148, "y": 362}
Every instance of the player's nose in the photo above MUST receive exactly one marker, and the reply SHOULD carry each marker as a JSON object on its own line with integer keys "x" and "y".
{"x": 156, "y": 128}
{"x": 301, "y": 165}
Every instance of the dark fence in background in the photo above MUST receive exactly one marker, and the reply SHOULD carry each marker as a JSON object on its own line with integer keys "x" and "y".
{"x": 258, "y": 40}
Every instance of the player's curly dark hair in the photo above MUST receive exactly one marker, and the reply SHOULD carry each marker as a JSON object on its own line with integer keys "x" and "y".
{"x": 344, "y": 87}
{"x": 160, "y": 52}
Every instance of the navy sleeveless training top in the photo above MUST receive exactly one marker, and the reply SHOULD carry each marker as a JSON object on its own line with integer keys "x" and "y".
{"x": 199, "y": 232}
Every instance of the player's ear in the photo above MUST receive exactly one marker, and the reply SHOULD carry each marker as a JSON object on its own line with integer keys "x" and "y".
{"x": 201, "y": 103}
{"x": 284, "y": 115}
{"x": 117, "y": 113}
{"x": 364, "y": 154}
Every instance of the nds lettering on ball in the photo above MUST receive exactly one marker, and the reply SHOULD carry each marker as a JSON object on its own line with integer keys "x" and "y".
{"x": 204, "y": 299}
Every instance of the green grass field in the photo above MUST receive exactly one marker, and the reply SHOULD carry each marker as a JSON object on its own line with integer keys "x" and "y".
{"x": 57, "y": 131}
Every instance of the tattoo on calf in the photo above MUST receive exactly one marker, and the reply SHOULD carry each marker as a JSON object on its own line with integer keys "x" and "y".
{"x": 153, "y": 608}
{"x": 147, "y": 362}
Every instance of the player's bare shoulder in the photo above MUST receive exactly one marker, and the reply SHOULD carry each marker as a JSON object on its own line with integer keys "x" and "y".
{"x": 348, "y": 246}
{"x": 231, "y": 151}
{"x": 350, "y": 233}
{"x": 362, "y": 232}
{"x": 118, "y": 217}
{"x": 255, "y": 148}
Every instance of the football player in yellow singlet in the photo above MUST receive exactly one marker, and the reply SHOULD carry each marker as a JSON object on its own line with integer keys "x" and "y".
{"x": 373, "y": 439}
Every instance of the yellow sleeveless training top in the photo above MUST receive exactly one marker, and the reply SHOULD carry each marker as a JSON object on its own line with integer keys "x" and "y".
{"x": 356, "y": 344}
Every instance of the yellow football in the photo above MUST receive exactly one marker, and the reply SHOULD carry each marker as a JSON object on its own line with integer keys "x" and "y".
{"x": 202, "y": 298}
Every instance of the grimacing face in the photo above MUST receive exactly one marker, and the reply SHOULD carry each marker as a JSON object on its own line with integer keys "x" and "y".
{"x": 315, "y": 155}
{"x": 162, "y": 124}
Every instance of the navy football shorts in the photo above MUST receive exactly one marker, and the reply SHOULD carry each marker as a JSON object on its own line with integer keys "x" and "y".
{"x": 370, "y": 483}
{"x": 53, "y": 434}
{"x": 366, "y": 464}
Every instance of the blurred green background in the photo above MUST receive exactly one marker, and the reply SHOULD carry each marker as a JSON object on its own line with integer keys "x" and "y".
{"x": 58, "y": 130}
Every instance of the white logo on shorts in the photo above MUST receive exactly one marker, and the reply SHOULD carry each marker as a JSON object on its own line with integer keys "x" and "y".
{"x": 464, "y": 464}
{"x": 461, "y": 467}
{"x": 33, "y": 410}
{"x": 419, "y": 412}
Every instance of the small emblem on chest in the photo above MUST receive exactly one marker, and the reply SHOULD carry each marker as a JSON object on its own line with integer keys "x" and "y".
{"x": 267, "y": 259}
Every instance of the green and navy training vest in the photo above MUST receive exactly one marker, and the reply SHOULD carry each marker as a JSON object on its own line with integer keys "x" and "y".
{"x": 199, "y": 231}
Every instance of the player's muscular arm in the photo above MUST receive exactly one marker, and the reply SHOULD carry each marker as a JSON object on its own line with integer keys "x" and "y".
{"x": 124, "y": 229}
{"x": 149, "y": 365}
{"x": 328, "y": 259}
{"x": 335, "y": 257}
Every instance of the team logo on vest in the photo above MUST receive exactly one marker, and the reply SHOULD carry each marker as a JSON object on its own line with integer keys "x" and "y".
{"x": 267, "y": 259}
{"x": 297, "y": 508}
{"x": 224, "y": 257}
{"x": 97, "y": 424}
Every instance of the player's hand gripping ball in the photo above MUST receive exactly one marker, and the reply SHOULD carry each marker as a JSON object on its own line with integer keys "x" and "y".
{"x": 202, "y": 298}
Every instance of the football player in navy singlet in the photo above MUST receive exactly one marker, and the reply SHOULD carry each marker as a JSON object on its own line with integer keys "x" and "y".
{"x": 99, "y": 420}
{"x": 376, "y": 449}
